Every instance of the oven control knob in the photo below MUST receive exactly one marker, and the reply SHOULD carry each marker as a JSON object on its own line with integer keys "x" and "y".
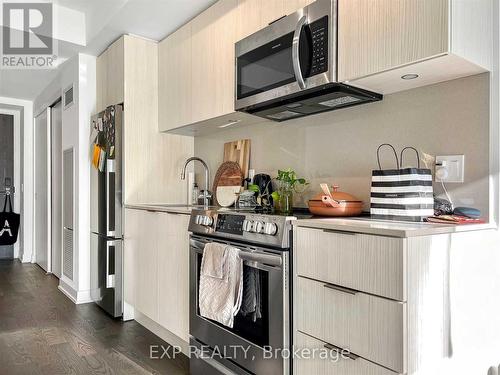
{"x": 247, "y": 225}
{"x": 270, "y": 229}
{"x": 258, "y": 227}
{"x": 206, "y": 221}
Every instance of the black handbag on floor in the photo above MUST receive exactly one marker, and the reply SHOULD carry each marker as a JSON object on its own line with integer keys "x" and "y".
{"x": 9, "y": 223}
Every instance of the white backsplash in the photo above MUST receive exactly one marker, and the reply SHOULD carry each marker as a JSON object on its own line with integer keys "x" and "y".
{"x": 339, "y": 147}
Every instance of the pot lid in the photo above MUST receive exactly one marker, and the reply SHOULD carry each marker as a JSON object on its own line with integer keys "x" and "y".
{"x": 339, "y": 196}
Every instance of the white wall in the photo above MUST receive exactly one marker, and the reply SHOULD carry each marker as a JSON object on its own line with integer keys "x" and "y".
{"x": 24, "y": 109}
{"x": 340, "y": 146}
{"x": 79, "y": 71}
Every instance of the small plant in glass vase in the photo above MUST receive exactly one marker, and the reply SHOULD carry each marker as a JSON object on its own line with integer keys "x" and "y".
{"x": 287, "y": 183}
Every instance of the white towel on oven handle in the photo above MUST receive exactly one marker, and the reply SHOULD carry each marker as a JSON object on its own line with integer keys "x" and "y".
{"x": 219, "y": 299}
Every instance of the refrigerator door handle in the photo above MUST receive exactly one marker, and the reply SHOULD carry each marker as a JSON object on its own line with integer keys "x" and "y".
{"x": 110, "y": 272}
{"x": 110, "y": 222}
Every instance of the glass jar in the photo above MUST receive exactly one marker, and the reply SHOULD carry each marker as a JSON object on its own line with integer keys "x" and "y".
{"x": 284, "y": 204}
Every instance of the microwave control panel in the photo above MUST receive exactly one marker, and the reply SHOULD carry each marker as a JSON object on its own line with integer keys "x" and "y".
{"x": 319, "y": 34}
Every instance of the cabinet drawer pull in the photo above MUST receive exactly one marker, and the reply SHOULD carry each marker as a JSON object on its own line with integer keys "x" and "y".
{"x": 340, "y": 289}
{"x": 344, "y": 352}
{"x": 339, "y": 232}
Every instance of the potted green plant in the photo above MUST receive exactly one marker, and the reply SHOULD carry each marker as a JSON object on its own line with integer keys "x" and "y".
{"x": 287, "y": 184}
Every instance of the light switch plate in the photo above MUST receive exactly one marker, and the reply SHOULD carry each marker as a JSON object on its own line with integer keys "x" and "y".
{"x": 454, "y": 165}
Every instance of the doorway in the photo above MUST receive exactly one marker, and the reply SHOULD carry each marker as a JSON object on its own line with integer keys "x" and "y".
{"x": 6, "y": 169}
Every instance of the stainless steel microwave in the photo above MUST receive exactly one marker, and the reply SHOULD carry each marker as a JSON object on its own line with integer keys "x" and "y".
{"x": 289, "y": 68}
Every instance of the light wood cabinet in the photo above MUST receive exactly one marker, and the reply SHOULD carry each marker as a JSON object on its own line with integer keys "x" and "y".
{"x": 143, "y": 241}
{"x": 335, "y": 364}
{"x": 376, "y": 35}
{"x": 388, "y": 331}
{"x": 381, "y": 41}
{"x": 110, "y": 76}
{"x": 102, "y": 81}
{"x": 371, "y": 327}
{"x": 116, "y": 72}
{"x": 151, "y": 161}
{"x": 174, "y": 79}
{"x": 373, "y": 264}
{"x": 156, "y": 268}
{"x": 254, "y": 15}
{"x": 197, "y": 62}
{"x": 213, "y": 39}
{"x": 173, "y": 273}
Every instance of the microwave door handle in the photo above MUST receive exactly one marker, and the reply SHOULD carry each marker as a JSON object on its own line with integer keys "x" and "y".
{"x": 295, "y": 52}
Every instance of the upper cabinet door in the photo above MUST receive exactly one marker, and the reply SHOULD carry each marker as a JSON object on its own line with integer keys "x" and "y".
{"x": 254, "y": 15}
{"x": 116, "y": 72}
{"x": 102, "y": 81}
{"x": 376, "y": 35}
{"x": 174, "y": 75}
{"x": 213, "y": 39}
{"x": 291, "y": 6}
{"x": 110, "y": 76}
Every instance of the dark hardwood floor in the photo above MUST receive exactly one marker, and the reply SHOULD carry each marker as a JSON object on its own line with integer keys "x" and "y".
{"x": 43, "y": 332}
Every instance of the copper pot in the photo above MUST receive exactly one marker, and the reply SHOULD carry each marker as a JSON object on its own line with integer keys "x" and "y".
{"x": 336, "y": 203}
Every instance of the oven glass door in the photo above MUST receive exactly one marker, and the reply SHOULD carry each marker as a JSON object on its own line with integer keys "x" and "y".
{"x": 262, "y": 327}
{"x": 271, "y": 65}
{"x": 252, "y": 327}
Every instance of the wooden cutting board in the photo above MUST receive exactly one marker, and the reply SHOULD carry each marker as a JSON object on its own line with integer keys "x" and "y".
{"x": 239, "y": 152}
{"x": 228, "y": 174}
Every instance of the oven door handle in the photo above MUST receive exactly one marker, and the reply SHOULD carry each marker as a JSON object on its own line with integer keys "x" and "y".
{"x": 256, "y": 258}
{"x": 295, "y": 52}
{"x": 196, "y": 244}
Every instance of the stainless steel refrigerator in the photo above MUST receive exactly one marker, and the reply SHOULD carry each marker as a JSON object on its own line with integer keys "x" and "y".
{"x": 106, "y": 236}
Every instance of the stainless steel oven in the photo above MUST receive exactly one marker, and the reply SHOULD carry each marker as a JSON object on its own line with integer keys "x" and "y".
{"x": 246, "y": 346}
{"x": 289, "y": 69}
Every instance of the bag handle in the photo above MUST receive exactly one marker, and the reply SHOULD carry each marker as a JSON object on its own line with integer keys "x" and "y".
{"x": 416, "y": 152}
{"x": 7, "y": 199}
{"x": 395, "y": 154}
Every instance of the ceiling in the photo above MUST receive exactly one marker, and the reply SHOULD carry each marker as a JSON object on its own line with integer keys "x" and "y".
{"x": 103, "y": 21}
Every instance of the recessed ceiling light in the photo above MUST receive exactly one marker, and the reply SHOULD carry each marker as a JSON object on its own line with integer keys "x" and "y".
{"x": 409, "y": 76}
{"x": 229, "y": 124}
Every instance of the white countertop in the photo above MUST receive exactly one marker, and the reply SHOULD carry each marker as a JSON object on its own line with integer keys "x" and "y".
{"x": 388, "y": 228}
{"x": 358, "y": 225}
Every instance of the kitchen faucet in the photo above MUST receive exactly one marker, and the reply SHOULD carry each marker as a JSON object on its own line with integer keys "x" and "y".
{"x": 206, "y": 192}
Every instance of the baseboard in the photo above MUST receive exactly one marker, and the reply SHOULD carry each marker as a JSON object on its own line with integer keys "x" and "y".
{"x": 77, "y": 297}
{"x": 83, "y": 296}
{"x": 67, "y": 291}
{"x": 161, "y": 332}
{"x": 128, "y": 312}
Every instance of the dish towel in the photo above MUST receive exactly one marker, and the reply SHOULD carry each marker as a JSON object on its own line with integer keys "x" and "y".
{"x": 221, "y": 283}
{"x": 251, "y": 302}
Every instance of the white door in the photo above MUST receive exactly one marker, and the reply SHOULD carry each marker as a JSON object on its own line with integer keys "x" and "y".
{"x": 56, "y": 187}
{"x": 42, "y": 191}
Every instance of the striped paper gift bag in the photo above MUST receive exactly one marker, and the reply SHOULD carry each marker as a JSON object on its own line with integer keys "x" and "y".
{"x": 401, "y": 193}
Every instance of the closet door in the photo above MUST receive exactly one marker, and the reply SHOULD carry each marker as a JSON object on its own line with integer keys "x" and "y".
{"x": 67, "y": 213}
{"x": 42, "y": 191}
{"x": 56, "y": 191}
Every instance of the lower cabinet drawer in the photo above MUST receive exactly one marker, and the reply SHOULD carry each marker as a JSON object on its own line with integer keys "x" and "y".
{"x": 371, "y": 264}
{"x": 371, "y": 327}
{"x": 326, "y": 362}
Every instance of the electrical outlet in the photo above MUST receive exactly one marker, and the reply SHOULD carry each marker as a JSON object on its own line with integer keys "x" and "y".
{"x": 450, "y": 168}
